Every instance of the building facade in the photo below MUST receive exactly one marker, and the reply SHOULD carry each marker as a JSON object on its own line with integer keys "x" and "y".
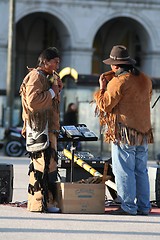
{"x": 84, "y": 31}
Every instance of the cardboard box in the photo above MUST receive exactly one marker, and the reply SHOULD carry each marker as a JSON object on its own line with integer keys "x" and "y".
{"x": 81, "y": 198}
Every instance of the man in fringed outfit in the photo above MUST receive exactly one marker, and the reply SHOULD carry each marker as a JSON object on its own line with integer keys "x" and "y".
{"x": 123, "y": 105}
{"x": 40, "y": 101}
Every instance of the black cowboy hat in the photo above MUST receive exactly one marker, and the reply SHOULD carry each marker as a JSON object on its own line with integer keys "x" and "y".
{"x": 119, "y": 55}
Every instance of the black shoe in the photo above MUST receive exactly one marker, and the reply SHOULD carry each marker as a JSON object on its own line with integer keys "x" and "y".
{"x": 120, "y": 211}
{"x": 140, "y": 213}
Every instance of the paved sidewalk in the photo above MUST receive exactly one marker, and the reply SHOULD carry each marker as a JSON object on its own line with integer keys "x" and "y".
{"x": 16, "y": 223}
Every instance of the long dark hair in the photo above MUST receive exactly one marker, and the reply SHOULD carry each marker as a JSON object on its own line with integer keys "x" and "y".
{"x": 129, "y": 68}
{"x": 47, "y": 54}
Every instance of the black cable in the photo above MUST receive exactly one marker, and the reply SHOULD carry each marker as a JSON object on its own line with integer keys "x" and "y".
{"x": 155, "y": 102}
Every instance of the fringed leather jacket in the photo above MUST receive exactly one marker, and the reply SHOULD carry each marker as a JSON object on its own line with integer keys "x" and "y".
{"x": 38, "y": 105}
{"x": 124, "y": 109}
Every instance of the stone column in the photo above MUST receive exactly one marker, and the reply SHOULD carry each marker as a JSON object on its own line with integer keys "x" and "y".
{"x": 78, "y": 58}
{"x": 3, "y": 64}
{"x": 150, "y": 63}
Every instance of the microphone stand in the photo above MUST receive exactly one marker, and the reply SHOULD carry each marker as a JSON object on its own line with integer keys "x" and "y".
{"x": 155, "y": 102}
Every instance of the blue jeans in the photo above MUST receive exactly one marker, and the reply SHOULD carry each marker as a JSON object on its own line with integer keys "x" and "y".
{"x": 129, "y": 165}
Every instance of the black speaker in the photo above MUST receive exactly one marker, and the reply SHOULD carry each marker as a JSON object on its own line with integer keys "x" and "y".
{"x": 6, "y": 183}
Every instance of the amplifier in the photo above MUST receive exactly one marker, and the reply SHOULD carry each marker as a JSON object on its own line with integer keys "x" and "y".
{"x": 6, "y": 183}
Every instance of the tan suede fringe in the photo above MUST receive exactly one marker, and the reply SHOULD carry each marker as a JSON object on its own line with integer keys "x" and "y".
{"x": 116, "y": 132}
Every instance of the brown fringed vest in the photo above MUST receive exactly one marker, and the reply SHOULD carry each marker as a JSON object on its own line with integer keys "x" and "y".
{"x": 124, "y": 109}
{"x": 37, "y": 102}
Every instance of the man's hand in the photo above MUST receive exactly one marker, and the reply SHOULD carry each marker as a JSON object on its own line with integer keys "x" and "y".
{"x": 60, "y": 84}
{"x": 102, "y": 82}
{"x": 55, "y": 89}
{"x": 109, "y": 75}
{"x": 105, "y": 78}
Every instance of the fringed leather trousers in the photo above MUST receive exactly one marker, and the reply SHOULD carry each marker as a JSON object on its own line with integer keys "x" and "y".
{"x": 42, "y": 178}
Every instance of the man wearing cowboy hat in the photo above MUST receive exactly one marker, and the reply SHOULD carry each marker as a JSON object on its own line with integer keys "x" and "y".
{"x": 123, "y": 104}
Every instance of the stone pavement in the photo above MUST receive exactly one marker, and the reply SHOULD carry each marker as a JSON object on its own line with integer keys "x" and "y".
{"x": 16, "y": 223}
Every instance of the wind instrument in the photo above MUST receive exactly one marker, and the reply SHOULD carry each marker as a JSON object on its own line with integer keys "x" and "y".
{"x": 108, "y": 75}
{"x": 54, "y": 78}
{"x": 90, "y": 169}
